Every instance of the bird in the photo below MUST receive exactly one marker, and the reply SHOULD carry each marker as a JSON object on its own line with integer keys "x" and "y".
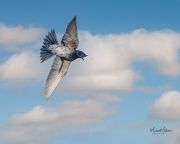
{"x": 64, "y": 52}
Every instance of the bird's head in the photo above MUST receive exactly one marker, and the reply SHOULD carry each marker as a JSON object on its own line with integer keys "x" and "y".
{"x": 80, "y": 54}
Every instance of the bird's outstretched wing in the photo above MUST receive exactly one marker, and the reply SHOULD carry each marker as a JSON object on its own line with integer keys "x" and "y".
{"x": 57, "y": 72}
{"x": 70, "y": 38}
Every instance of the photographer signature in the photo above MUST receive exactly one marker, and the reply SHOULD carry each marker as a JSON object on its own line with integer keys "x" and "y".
{"x": 160, "y": 131}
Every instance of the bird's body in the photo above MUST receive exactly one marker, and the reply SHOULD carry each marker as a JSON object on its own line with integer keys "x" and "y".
{"x": 61, "y": 51}
{"x": 65, "y": 53}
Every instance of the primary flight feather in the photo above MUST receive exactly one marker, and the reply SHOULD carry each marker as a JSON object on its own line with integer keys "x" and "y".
{"x": 65, "y": 53}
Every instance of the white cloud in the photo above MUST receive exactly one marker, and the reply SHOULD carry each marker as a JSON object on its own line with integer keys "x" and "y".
{"x": 110, "y": 58}
{"x": 43, "y": 123}
{"x": 109, "y": 62}
{"x": 11, "y": 37}
{"x": 158, "y": 47}
{"x": 167, "y": 106}
{"x": 22, "y": 66}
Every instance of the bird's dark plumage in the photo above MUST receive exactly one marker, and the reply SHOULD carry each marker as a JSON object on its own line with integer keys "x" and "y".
{"x": 65, "y": 53}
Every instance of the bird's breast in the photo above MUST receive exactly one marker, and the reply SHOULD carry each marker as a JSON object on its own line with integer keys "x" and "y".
{"x": 63, "y": 52}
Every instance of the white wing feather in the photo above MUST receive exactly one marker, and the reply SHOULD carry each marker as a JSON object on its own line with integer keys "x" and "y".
{"x": 57, "y": 72}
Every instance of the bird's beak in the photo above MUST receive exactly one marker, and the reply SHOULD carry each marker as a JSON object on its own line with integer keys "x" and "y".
{"x": 84, "y": 56}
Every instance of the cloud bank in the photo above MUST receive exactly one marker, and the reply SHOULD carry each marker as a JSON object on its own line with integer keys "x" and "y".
{"x": 22, "y": 66}
{"x": 47, "y": 122}
{"x": 109, "y": 65}
{"x": 12, "y": 37}
{"x": 107, "y": 69}
{"x": 167, "y": 107}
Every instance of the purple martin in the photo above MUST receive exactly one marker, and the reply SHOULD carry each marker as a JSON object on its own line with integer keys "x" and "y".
{"x": 64, "y": 54}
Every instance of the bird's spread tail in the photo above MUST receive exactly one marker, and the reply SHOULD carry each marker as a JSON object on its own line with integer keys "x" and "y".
{"x": 50, "y": 39}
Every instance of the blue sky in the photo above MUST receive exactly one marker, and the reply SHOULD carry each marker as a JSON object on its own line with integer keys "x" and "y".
{"x": 105, "y": 16}
{"x": 128, "y": 84}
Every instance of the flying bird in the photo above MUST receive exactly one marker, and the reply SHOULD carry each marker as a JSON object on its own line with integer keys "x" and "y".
{"x": 64, "y": 52}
